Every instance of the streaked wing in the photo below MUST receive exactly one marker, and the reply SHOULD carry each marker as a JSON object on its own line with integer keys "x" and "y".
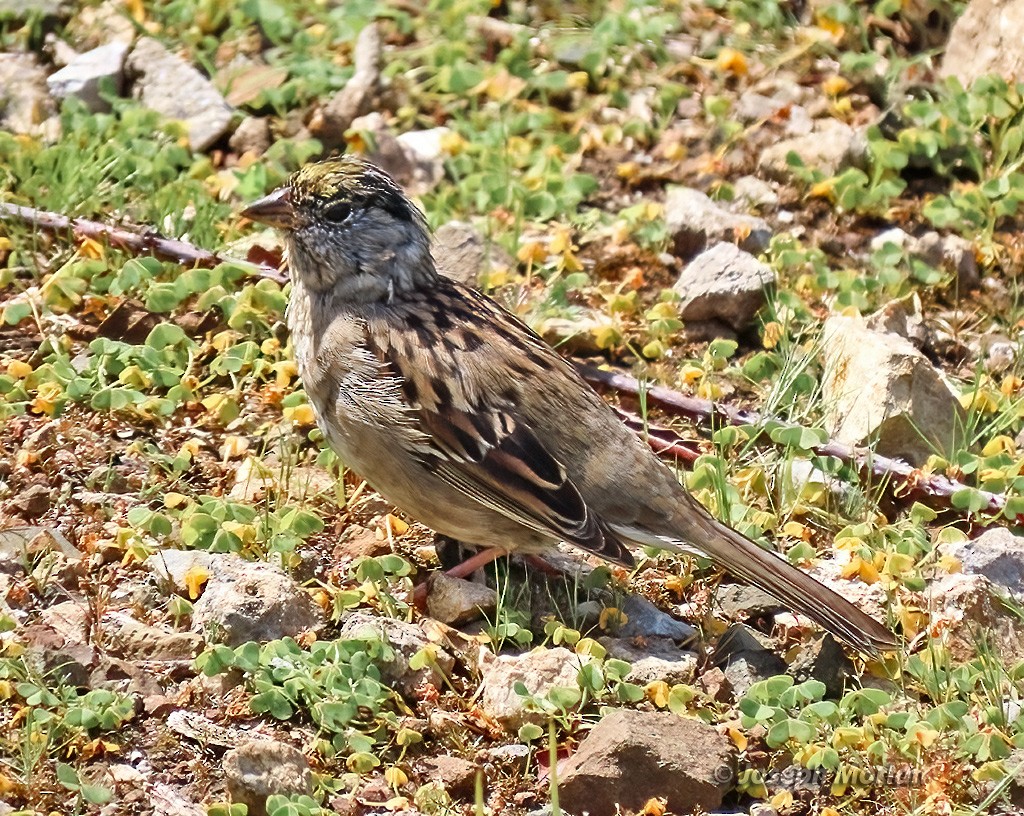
{"x": 476, "y": 443}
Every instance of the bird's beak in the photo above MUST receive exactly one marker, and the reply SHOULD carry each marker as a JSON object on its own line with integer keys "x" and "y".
{"x": 275, "y": 210}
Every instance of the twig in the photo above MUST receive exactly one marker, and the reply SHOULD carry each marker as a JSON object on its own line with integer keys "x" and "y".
{"x": 141, "y": 242}
{"x": 910, "y": 481}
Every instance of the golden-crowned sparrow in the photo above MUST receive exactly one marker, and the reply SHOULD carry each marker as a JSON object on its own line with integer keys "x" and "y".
{"x": 458, "y": 413}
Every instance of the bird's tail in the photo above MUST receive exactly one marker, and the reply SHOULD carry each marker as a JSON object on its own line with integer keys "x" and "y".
{"x": 766, "y": 570}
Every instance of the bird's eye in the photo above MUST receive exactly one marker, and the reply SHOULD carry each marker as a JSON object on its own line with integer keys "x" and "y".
{"x": 338, "y": 212}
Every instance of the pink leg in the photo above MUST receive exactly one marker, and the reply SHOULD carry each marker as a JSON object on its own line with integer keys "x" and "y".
{"x": 475, "y": 561}
{"x": 467, "y": 567}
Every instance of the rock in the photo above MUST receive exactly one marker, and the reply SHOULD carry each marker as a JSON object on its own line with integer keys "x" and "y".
{"x": 70, "y": 663}
{"x": 357, "y": 97}
{"x": 694, "y": 221}
{"x": 252, "y": 136}
{"x": 133, "y": 640}
{"x": 745, "y": 658}
{"x": 515, "y": 758}
{"x": 40, "y": 11}
{"x": 457, "y": 775}
{"x": 800, "y": 480}
{"x": 724, "y": 284}
{"x": 832, "y": 146}
{"x": 656, "y": 659}
{"x": 463, "y": 254}
{"x": 383, "y": 147}
{"x": 632, "y": 756}
{"x": 456, "y": 601}
{"x": 904, "y": 317}
{"x": 25, "y": 104}
{"x": 644, "y": 619}
{"x": 425, "y": 149}
{"x": 407, "y": 639}
{"x": 259, "y": 768}
{"x": 168, "y": 801}
{"x": 998, "y": 555}
{"x": 716, "y": 685}
{"x": 539, "y": 670}
{"x": 753, "y": 192}
{"x": 743, "y": 600}
{"x": 361, "y": 542}
{"x": 755, "y": 107}
{"x": 458, "y": 252}
{"x": 31, "y": 502}
{"x": 84, "y": 75}
{"x": 242, "y": 600}
{"x": 986, "y": 40}
{"x": 877, "y": 388}
{"x": 824, "y": 660}
{"x": 967, "y": 612}
{"x": 999, "y": 350}
{"x": 172, "y": 87}
{"x": 948, "y": 252}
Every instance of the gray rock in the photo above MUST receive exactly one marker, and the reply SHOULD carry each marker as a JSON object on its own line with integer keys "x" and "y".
{"x": 824, "y": 660}
{"x": 694, "y": 221}
{"x": 972, "y": 614}
{"x": 745, "y": 658}
{"x": 878, "y": 387}
{"x": 31, "y": 502}
{"x": 799, "y": 478}
{"x": 384, "y": 149}
{"x": 644, "y": 619}
{"x": 457, "y": 775}
{"x": 986, "y": 40}
{"x": 259, "y": 768}
{"x": 242, "y": 600}
{"x": 632, "y": 756}
{"x": 724, "y": 284}
{"x": 831, "y": 147}
{"x": 743, "y": 600}
{"x": 656, "y": 659}
{"x": 425, "y": 152}
{"x": 133, "y": 640}
{"x": 83, "y": 76}
{"x": 407, "y": 639}
{"x": 174, "y": 88}
{"x": 251, "y": 136}
{"x": 539, "y": 670}
{"x": 904, "y": 317}
{"x": 996, "y": 554}
{"x": 456, "y": 601}
{"x": 754, "y": 107}
{"x": 45, "y": 11}
{"x": 754, "y": 192}
{"x": 1000, "y": 352}
{"x": 25, "y": 104}
{"x": 514, "y": 757}
{"x": 461, "y": 253}
{"x": 948, "y": 252}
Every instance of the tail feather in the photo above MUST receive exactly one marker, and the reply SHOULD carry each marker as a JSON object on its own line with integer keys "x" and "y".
{"x": 766, "y": 570}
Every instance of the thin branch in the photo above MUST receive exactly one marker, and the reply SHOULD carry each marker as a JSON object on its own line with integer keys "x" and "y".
{"x": 909, "y": 481}
{"x": 140, "y": 242}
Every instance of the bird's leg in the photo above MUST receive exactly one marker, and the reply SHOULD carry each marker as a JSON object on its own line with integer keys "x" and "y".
{"x": 480, "y": 559}
{"x": 451, "y": 554}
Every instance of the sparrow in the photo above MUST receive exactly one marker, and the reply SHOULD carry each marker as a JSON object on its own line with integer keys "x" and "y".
{"x": 460, "y": 415}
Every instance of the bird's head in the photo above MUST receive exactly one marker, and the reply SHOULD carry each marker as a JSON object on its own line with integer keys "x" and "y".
{"x": 350, "y": 229}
